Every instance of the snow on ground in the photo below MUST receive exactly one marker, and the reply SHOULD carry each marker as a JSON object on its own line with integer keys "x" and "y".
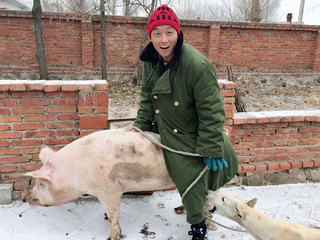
{"x": 152, "y": 217}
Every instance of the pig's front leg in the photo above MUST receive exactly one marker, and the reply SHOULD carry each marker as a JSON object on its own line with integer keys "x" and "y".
{"x": 111, "y": 203}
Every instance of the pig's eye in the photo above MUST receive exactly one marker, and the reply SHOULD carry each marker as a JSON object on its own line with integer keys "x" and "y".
{"x": 223, "y": 199}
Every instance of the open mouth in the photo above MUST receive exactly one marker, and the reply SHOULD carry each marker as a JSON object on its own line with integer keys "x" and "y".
{"x": 212, "y": 210}
{"x": 164, "y": 48}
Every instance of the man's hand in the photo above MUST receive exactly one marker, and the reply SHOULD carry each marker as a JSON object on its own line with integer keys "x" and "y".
{"x": 215, "y": 163}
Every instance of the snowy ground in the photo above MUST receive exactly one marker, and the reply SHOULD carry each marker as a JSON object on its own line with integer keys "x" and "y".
{"x": 83, "y": 220}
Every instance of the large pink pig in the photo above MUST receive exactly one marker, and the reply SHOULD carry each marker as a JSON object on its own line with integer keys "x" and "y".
{"x": 104, "y": 164}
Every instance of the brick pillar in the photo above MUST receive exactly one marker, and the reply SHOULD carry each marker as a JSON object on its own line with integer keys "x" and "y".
{"x": 87, "y": 43}
{"x": 214, "y": 44}
{"x": 93, "y": 109}
{"x": 316, "y": 63}
{"x": 37, "y": 113}
{"x": 228, "y": 93}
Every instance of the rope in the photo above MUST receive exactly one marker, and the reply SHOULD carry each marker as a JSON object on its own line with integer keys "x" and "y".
{"x": 155, "y": 138}
{"x": 221, "y": 225}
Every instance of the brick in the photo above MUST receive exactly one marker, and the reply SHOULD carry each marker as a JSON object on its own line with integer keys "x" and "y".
{"x": 240, "y": 169}
{"x": 94, "y": 122}
{"x": 261, "y": 167}
{"x": 29, "y": 167}
{"x": 308, "y": 141}
{"x": 36, "y": 126}
{"x": 295, "y": 164}
{"x": 69, "y": 87}
{"x": 86, "y": 110}
{"x": 10, "y": 135}
{"x": 20, "y": 184}
{"x": 60, "y": 125}
{"x": 8, "y": 103}
{"x": 68, "y": 117}
{"x": 285, "y": 166}
{"x": 273, "y": 166}
{"x": 101, "y": 87}
{"x": 37, "y": 134}
{"x": 52, "y": 88}
{"x": 308, "y": 164}
{"x": 309, "y": 130}
{"x": 5, "y": 127}
{"x": 4, "y": 169}
{"x": 19, "y": 143}
{"x": 248, "y": 168}
{"x": 35, "y": 87}
{"x": 17, "y": 159}
{"x": 86, "y": 87}
{"x": 65, "y": 102}
{"x": 64, "y": 133}
{"x": 29, "y": 95}
{"x": 317, "y": 163}
{"x": 4, "y": 111}
{"x": 4, "y": 143}
{"x": 27, "y": 110}
{"x": 10, "y": 119}
{"x": 62, "y": 110}
{"x": 57, "y": 141}
{"x": 38, "y": 118}
{"x": 34, "y": 103}
{"x": 18, "y": 87}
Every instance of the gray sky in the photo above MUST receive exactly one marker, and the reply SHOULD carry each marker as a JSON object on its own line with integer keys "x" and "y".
{"x": 311, "y": 10}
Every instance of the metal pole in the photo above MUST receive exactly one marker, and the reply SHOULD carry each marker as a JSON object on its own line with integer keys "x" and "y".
{"x": 301, "y": 11}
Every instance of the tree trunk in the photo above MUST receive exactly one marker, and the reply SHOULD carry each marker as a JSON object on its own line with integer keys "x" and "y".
{"x": 126, "y": 7}
{"x": 36, "y": 13}
{"x": 139, "y": 64}
{"x": 240, "y": 106}
{"x": 103, "y": 41}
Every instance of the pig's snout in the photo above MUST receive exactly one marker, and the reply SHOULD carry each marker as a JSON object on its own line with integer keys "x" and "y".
{"x": 27, "y": 197}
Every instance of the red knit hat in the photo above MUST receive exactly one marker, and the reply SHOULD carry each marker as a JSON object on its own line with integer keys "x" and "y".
{"x": 163, "y": 15}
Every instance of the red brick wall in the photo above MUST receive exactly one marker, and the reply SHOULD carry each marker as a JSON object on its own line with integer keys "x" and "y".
{"x": 37, "y": 113}
{"x": 72, "y": 44}
{"x": 279, "y": 140}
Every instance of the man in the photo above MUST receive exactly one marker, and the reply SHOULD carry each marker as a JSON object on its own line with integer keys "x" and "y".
{"x": 180, "y": 99}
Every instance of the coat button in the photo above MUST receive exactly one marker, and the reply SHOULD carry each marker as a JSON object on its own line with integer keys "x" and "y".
{"x": 157, "y": 111}
{"x": 176, "y": 103}
{"x": 155, "y": 97}
{"x": 175, "y": 131}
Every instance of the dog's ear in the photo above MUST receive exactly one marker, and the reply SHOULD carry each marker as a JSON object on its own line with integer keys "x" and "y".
{"x": 252, "y": 202}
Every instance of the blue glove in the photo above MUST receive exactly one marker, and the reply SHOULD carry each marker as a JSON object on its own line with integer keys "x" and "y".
{"x": 215, "y": 163}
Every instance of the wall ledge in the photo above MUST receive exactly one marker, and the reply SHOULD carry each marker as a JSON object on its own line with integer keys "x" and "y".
{"x": 53, "y": 85}
{"x": 276, "y": 116}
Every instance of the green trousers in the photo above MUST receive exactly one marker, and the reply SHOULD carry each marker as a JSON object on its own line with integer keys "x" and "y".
{"x": 184, "y": 169}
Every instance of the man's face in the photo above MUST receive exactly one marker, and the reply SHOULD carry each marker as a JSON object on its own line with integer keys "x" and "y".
{"x": 164, "y": 39}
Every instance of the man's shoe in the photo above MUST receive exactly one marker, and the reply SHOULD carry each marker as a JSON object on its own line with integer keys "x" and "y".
{"x": 198, "y": 231}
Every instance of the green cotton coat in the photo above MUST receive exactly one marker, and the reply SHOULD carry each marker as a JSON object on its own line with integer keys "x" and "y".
{"x": 185, "y": 106}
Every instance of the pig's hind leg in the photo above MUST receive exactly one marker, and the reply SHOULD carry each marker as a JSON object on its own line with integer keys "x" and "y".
{"x": 111, "y": 203}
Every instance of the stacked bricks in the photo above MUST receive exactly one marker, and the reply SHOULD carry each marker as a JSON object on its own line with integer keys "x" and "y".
{"x": 72, "y": 44}
{"x": 228, "y": 93}
{"x": 276, "y": 141}
{"x": 38, "y": 113}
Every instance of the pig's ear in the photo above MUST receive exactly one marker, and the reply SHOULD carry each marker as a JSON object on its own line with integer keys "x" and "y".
{"x": 40, "y": 174}
{"x": 45, "y": 154}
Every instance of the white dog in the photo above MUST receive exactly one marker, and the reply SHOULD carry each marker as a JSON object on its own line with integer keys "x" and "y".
{"x": 259, "y": 225}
